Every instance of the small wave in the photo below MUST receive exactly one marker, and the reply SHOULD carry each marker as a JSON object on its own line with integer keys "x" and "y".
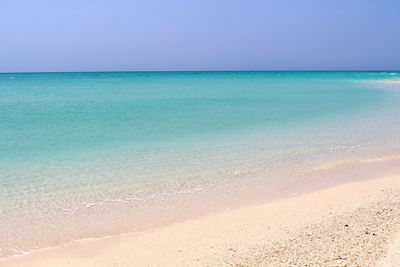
{"x": 6, "y": 253}
{"x": 349, "y": 163}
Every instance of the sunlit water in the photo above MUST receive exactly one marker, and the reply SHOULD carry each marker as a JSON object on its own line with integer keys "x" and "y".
{"x": 90, "y": 154}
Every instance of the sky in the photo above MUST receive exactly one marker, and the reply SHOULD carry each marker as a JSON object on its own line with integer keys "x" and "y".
{"x": 123, "y": 35}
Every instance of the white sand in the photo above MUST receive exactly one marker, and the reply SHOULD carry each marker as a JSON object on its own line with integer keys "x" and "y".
{"x": 347, "y": 225}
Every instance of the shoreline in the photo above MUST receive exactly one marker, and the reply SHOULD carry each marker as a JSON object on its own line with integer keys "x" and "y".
{"x": 223, "y": 161}
{"x": 352, "y": 176}
{"x": 251, "y": 193}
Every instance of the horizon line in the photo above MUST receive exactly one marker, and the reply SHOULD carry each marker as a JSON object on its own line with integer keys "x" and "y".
{"x": 144, "y": 71}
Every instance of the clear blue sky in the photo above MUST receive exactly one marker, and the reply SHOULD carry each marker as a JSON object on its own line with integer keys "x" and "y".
{"x": 90, "y": 35}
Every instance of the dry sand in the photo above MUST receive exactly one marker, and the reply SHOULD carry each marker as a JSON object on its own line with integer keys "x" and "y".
{"x": 352, "y": 224}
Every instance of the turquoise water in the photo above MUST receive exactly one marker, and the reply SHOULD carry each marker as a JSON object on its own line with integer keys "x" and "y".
{"x": 73, "y": 141}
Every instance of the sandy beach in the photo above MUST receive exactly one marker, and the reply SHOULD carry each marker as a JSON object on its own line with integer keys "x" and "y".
{"x": 351, "y": 224}
{"x": 200, "y": 133}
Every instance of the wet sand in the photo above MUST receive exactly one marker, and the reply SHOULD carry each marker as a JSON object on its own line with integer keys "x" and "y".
{"x": 351, "y": 224}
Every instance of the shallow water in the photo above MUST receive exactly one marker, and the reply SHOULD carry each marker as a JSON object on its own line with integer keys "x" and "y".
{"x": 113, "y": 152}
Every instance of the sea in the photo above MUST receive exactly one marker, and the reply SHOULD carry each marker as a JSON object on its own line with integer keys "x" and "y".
{"x": 96, "y": 154}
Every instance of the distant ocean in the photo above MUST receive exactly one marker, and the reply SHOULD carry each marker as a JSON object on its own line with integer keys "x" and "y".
{"x": 86, "y": 155}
